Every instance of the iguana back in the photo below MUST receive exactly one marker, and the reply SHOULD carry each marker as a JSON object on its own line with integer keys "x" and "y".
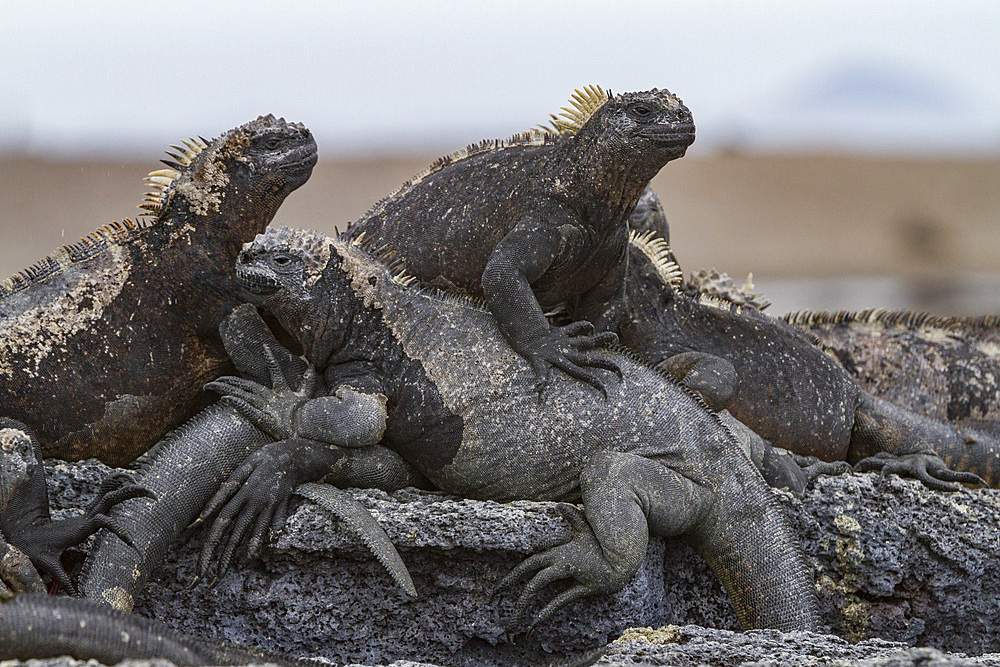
{"x": 537, "y": 220}
{"x": 106, "y": 343}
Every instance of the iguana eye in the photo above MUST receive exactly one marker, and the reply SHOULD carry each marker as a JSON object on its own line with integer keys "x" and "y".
{"x": 272, "y": 143}
{"x": 641, "y": 111}
{"x": 282, "y": 260}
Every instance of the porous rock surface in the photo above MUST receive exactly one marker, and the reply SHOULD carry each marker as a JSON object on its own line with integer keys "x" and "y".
{"x": 892, "y": 559}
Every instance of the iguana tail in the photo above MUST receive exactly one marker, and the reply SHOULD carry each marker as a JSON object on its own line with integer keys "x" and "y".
{"x": 748, "y": 542}
{"x": 41, "y": 626}
{"x": 183, "y": 471}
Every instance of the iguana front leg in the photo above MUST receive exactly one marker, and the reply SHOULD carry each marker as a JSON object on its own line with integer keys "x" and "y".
{"x": 24, "y": 513}
{"x": 521, "y": 258}
{"x": 253, "y": 502}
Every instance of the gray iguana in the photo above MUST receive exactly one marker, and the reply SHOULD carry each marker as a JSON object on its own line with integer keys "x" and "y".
{"x": 30, "y": 542}
{"x": 105, "y": 344}
{"x": 947, "y": 368}
{"x": 538, "y": 220}
{"x": 188, "y": 466}
{"x": 790, "y": 392}
{"x": 460, "y": 406}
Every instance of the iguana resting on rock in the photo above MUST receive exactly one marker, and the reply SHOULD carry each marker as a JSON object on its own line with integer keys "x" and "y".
{"x": 30, "y": 542}
{"x": 187, "y": 467}
{"x": 538, "y": 220}
{"x": 460, "y": 406}
{"x": 789, "y": 391}
{"x": 38, "y": 626}
{"x": 947, "y": 368}
{"x": 105, "y": 345}
{"x": 942, "y": 367}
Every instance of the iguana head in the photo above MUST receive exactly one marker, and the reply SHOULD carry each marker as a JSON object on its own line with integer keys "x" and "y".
{"x": 313, "y": 285}
{"x": 244, "y": 174}
{"x": 16, "y": 455}
{"x": 279, "y": 271}
{"x": 653, "y": 123}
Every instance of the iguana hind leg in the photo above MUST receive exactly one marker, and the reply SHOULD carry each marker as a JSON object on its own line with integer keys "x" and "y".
{"x": 625, "y": 498}
{"x": 890, "y": 439}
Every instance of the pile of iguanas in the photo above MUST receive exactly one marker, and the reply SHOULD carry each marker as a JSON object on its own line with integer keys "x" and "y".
{"x": 508, "y": 324}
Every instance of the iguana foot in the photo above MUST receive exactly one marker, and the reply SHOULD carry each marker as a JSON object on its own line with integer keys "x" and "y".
{"x": 44, "y": 541}
{"x": 581, "y": 559}
{"x": 813, "y": 467}
{"x": 567, "y": 348}
{"x": 928, "y": 468}
{"x": 271, "y": 409}
{"x": 253, "y": 502}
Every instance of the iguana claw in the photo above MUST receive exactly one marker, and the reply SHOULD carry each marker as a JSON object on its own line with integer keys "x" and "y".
{"x": 926, "y": 467}
{"x": 580, "y": 559}
{"x": 568, "y": 350}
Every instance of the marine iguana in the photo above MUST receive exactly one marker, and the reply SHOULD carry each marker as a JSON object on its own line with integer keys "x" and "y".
{"x": 947, "y": 368}
{"x": 185, "y": 468}
{"x": 789, "y": 391}
{"x": 460, "y": 406}
{"x": 105, "y": 344}
{"x": 538, "y": 220}
{"x": 37, "y": 626}
{"x": 30, "y": 542}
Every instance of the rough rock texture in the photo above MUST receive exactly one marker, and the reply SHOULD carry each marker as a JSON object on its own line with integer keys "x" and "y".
{"x": 893, "y": 560}
{"x": 693, "y": 645}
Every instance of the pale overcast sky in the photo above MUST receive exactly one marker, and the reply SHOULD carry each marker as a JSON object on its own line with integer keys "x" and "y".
{"x": 123, "y": 77}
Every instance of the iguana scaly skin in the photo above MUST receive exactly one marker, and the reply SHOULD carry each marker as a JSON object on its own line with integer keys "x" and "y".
{"x": 30, "y": 542}
{"x": 947, "y": 368}
{"x": 790, "y": 392}
{"x": 461, "y": 407}
{"x": 537, "y": 221}
{"x": 38, "y": 626}
{"x": 106, "y": 344}
{"x": 942, "y": 367}
{"x": 188, "y": 466}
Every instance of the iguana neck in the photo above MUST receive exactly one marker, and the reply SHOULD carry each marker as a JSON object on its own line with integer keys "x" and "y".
{"x": 344, "y": 322}
{"x": 595, "y": 173}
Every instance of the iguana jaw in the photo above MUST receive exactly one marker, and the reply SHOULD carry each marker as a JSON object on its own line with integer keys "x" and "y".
{"x": 679, "y": 136}
{"x": 256, "y": 281}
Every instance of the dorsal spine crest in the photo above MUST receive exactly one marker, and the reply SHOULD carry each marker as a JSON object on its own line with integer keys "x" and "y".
{"x": 658, "y": 251}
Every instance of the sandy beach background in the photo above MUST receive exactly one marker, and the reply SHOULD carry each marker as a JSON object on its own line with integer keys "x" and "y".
{"x": 821, "y": 231}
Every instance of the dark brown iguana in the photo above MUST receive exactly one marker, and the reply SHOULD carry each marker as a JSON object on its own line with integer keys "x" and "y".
{"x": 106, "y": 344}
{"x": 538, "y": 220}
{"x": 460, "y": 406}
{"x": 942, "y": 367}
{"x": 789, "y": 391}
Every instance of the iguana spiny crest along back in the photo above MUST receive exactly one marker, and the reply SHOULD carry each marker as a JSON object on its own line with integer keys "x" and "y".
{"x": 538, "y": 220}
{"x": 106, "y": 343}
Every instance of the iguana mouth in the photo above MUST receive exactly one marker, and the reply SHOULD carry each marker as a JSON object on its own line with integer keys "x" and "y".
{"x": 257, "y": 283}
{"x": 674, "y": 135}
{"x": 308, "y": 161}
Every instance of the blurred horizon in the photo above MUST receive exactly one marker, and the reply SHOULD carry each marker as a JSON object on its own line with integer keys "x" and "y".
{"x": 112, "y": 78}
{"x": 848, "y": 152}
